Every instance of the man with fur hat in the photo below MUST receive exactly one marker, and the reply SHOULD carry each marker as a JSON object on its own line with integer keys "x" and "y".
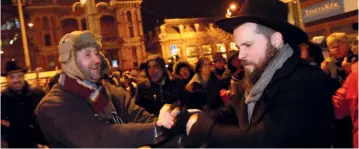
{"x": 83, "y": 110}
{"x": 282, "y": 102}
{"x": 158, "y": 88}
{"x": 18, "y": 102}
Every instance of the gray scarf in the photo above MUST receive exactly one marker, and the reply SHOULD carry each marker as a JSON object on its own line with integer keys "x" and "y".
{"x": 257, "y": 90}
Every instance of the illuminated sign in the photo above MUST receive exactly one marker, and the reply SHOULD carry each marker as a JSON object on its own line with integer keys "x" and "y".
{"x": 323, "y": 10}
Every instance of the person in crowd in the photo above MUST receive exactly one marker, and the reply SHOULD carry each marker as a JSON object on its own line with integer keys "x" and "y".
{"x": 345, "y": 101}
{"x": 204, "y": 87}
{"x": 311, "y": 53}
{"x": 183, "y": 71}
{"x": 53, "y": 80}
{"x": 158, "y": 89}
{"x": 340, "y": 58}
{"x": 142, "y": 73}
{"x": 355, "y": 47}
{"x": 237, "y": 74}
{"x": 18, "y": 102}
{"x": 83, "y": 110}
{"x": 271, "y": 107}
{"x": 219, "y": 64}
{"x": 338, "y": 66}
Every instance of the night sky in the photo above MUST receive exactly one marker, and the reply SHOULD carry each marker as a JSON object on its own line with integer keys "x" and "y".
{"x": 154, "y": 11}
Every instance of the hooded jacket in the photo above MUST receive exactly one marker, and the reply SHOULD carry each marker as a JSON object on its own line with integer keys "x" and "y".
{"x": 152, "y": 96}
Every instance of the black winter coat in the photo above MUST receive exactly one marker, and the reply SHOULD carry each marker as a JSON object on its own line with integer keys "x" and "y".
{"x": 295, "y": 110}
{"x": 152, "y": 96}
{"x": 19, "y": 110}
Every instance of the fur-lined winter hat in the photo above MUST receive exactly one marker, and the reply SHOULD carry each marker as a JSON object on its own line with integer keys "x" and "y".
{"x": 76, "y": 41}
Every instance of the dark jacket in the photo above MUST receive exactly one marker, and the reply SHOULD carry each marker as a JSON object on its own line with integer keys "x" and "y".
{"x": 206, "y": 97}
{"x": 152, "y": 96}
{"x": 69, "y": 121}
{"x": 18, "y": 109}
{"x": 294, "y": 111}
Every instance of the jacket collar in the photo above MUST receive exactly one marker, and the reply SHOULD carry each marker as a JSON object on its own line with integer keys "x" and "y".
{"x": 26, "y": 91}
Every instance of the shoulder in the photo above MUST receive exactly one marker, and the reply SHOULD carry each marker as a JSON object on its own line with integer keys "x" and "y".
{"x": 145, "y": 83}
{"x": 307, "y": 76}
{"x": 37, "y": 91}
{"x": 56, "y": 97}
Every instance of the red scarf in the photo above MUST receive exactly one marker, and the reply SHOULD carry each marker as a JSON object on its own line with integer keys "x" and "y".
{"x": 95, "y": 96}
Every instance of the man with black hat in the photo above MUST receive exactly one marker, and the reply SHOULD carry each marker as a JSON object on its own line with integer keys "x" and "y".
{"x": 18, "y": 102}
{"x": 283, "y": 101}
{"x": 219, "y": 64}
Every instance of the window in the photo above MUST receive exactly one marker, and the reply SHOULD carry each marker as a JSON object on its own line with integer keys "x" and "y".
{"x": 131, "y": 32}
{"x": 47, "y": 38}
{"x": 134, "y": 53}
{"x": 233, "y": 46}
{"x": 45, "y": 23}
{"x": 84, "y": 25}
{"x": 135, "y": 64}
{"x": 129, "y": 16}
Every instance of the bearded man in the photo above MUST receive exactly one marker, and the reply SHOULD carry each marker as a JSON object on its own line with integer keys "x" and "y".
{"x": 283, "y": 101}
{"x": 83, "y": 110}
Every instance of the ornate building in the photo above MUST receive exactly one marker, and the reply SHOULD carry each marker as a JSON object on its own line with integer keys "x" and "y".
{"x": 120, "y": 28}
{"x": 190, "y": 39}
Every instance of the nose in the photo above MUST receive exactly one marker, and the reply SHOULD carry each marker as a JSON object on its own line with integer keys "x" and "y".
{"x": 241, "y": 55}
{"x": 96, "y": 59}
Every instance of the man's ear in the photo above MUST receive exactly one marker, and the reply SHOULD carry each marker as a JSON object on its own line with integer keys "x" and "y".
{"x": 277, "y": 40}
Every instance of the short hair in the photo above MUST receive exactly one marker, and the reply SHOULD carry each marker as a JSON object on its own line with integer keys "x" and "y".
{"x": 200, "y": 63}
{"x": 337, "y": 36}
{"x": 265, "y": 31}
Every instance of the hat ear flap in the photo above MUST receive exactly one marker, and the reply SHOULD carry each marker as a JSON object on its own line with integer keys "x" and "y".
{"x": 65, "y": 51}
{"x": 105, "y": 64}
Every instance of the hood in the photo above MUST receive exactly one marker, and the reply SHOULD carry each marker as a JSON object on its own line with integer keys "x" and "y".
{"x": 160, "y": 61}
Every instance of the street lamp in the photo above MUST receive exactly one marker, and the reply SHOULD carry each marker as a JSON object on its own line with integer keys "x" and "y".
{"x": 233, "y": 7}
{"x": 23, "y": 32}
{"x": 30, "y": 25}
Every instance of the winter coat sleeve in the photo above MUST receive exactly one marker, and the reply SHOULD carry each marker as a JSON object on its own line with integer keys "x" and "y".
{"x": 283, "y": 123}
{"x": 341, "y": 105}
{"x": 136, "y": 114}
{"x": 65, "y": 124}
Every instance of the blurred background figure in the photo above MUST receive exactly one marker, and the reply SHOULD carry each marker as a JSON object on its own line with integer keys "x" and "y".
{"x": 183, "y": 71}
{"x": 311, "y": 53}
{"x": 219, "y": 64}
{"x": 338, "y": 64}
{"x": 204, "y": 87}
{"x": 18, "y": 102}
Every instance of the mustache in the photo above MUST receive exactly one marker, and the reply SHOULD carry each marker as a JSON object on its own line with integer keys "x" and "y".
{"x": 246, "y": 62}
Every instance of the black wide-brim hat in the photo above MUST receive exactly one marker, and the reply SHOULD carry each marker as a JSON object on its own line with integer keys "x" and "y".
{"x": 13, "y": 67}
{"x": 269, "y": 13}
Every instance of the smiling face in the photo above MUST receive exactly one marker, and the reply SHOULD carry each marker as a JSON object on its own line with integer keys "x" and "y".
{"x": 89, "y": 62}
{"x": 16, "y": 81}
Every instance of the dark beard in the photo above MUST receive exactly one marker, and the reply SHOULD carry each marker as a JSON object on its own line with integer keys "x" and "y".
{"x": 250, "y": 79}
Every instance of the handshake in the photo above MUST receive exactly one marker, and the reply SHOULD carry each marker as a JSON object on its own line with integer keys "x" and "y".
{"x": 176, "y": 120}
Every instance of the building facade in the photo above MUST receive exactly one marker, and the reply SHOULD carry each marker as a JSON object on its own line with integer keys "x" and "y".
{"x": 323, "y": 17}
{"x": 190, "y": 39}
{"x": 120, "y": 28}
{"x": 11, "y": 40}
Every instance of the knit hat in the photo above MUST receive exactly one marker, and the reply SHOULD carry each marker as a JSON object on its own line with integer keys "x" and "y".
{"x": 73, "y": 42}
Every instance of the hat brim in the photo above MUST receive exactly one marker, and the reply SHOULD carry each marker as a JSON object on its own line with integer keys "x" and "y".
{"x": 292, "y": 34}
{"x": 14, "y": 71}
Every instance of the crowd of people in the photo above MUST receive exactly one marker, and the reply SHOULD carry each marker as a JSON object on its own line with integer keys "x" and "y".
{"x": 277, "y": 90}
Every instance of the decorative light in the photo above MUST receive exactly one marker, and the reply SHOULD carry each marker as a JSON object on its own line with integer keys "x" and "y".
{"x": 30, "y": 25}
